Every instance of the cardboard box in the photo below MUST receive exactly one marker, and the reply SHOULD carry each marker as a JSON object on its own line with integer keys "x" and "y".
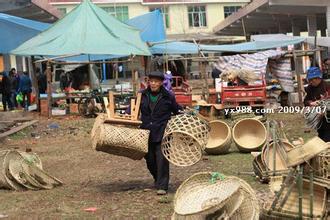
{"x": 74, "y": 108}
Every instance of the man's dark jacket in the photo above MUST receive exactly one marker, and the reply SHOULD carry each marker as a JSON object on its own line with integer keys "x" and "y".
{"x": 5, "y": 85}
{"x": 156, "y": 120}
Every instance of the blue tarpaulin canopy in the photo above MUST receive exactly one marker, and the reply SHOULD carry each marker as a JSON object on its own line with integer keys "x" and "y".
{"x": 174, "y": 47}
{"x": 191, "y": 48}
{"x": 251, "y": 46}
{"x": 151, "y": 26}
{"x": 15, "y": 30}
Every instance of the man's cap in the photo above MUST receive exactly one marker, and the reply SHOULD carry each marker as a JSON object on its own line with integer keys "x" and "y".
{"x": 314, "y": 72}
{"x": 156, "y": 74}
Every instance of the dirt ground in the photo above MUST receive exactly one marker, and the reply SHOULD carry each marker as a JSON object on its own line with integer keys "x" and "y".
{"x": 116, "y": 186}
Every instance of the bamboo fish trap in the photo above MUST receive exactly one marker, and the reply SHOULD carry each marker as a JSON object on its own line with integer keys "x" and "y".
{"x": 185, "y": 139}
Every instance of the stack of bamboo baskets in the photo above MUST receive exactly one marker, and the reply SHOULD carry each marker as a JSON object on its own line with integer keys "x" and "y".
{"x": 209, "y": 195}
{"x": 22, "y": 171}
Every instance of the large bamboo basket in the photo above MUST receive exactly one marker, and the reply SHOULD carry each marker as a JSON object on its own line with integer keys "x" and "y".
{"x": 197, "y": 197}
{"x": 184, "y": 140}
{"x": 249, "y": 134}
{"x": 310, "y": 149}
{"x": 280, "y": 155}
{"x": 291, "y": 206}
{"x": 121, "y": 141}
{"x": 219, "y": 138}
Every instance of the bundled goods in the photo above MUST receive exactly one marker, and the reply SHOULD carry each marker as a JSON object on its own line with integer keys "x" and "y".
{"x": 208, "y": 195}
{"x": 219, "y": 138}
{"x": 313, "y": 119}
{"x": 130, "y": 142}
{"x": 185, "y": 139}
{"x": 287, "y": 203}
{"x": 247, "y": 76}
{"x": 21, "y": 171}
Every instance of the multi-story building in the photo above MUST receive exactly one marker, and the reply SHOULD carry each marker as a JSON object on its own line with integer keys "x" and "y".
{"x": 183, "y": 18}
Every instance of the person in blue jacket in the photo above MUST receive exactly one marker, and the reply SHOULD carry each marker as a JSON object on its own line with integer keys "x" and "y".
{"x": 157, "y": 107}
{"x": 25, "y": 87}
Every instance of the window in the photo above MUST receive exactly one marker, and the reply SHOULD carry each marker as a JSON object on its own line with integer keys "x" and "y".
{"x": 120, "y": 12}
{"x": 62, "y": 11}
{"x": 228, "y": 10}
{"x": 164, "y": 11}
{"x": 197, "y": 16}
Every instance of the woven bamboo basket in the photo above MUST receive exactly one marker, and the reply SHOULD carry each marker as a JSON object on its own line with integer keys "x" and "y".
{"x": 121, "y": 141}
{"x": 310, "y": 149}
{"x": 280, "y": 155}
{"x": 219, "y": 138}
{"x": 39, "y": 178}
{"x": 197, "y": 197}
{"x": 260, "y": 169}
{"x": 249, "y": 209}
{"x": 291, "y": 206}
{"x": 16, "y": 171}
{"x": 249, "y": 134}
{"x": 320, "y": 165}
{"x": 99, "y": 120}
{"x": 184, "y": 140}
{"x": 7, "y": 181}
{"x": 3, "y": 178}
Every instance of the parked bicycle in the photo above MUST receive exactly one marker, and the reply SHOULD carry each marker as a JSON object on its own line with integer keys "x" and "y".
{"x": 91, "y": 106}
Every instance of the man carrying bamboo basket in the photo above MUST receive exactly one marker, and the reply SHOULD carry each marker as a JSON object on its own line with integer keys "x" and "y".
{"x": 157, "y": 107}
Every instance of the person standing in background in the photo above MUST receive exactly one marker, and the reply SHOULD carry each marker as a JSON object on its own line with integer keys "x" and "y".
{"x": 6, "y": 91}
{"x": 14, "y": 79}
{"x": 42, "y": 81}
{"x": 25, "y": 87}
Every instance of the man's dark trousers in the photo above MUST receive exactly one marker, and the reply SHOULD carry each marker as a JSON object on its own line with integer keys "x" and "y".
{"x": 158, "y": 165}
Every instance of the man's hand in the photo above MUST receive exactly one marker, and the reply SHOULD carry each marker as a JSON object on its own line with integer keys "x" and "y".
{"x": 315, "y": 103}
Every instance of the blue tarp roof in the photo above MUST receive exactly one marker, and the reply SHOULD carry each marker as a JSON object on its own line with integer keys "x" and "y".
{"x": 191, "y": 48}
{"x": 15, "y": 30}
{"x": 174, "y": 47}
{"x": 151, "y": 26}
{"x": 251, "y": 46}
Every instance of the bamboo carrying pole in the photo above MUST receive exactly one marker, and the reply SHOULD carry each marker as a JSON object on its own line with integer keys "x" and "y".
{"x": 300, "y": 190}
{"x": 49, "y": 89}
{"x": 300, "y": 96}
